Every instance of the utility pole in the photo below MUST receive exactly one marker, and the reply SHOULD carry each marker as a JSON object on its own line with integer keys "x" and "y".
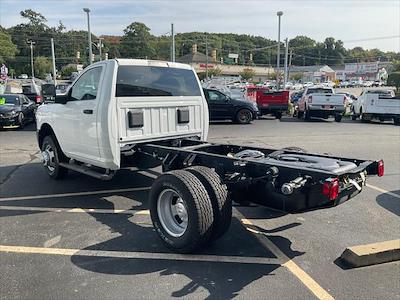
{"x": 172, "y": 43}
{"x": 206, "y": 58}
{"x": 285, "y": 78}
{"x": 33, "y": 70}
{"x": 278, "y": 54}
{"x": 87, "y": 11}
{"x": 100, "y": 46}
{"x": 290, "y": 63}
{"x": 54, "y": 61}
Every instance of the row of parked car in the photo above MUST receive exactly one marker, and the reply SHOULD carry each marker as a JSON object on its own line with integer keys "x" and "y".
{"x": 18, "y": 108}
{"x": 312, "y": 102}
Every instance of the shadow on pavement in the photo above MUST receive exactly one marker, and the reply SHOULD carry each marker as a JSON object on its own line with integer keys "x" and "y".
{"x": 389, "y": 202}
{"x": 221, "y": 280}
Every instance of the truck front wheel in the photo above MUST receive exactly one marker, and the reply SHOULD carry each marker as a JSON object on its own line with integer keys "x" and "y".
{"x": 181, "y": 211}
{"x": 52, "y": 155}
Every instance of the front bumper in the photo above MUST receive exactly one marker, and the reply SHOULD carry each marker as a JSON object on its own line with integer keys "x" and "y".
{"x": 8, "y": 121}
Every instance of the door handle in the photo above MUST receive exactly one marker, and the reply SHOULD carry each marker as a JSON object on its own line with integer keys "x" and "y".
{"x": 88, "y": 111}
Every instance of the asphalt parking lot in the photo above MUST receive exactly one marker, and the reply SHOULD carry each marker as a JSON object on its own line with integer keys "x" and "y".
{"x": 86, "y": 239}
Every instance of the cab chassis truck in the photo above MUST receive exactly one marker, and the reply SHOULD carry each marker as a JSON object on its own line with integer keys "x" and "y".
{"x": 125, "y": 113}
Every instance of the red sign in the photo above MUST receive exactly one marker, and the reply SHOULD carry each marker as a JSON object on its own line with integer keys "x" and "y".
{"x": 208, "y": 66}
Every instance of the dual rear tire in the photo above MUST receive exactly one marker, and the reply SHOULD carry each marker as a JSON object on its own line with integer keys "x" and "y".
{"x": 189, "y": 208}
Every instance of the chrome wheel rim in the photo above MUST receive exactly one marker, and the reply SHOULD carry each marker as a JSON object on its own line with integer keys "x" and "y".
{"x": 48, "y": 158}
{"x": 244, "y": 116}
{"x": 172, "y": 213}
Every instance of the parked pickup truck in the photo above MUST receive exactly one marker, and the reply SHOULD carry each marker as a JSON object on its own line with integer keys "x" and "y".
{"x": 321, "y": 102}
{"x": 269, "y": 102}
{"x": 381, "y": 104}
{"x": 135, "y": 113}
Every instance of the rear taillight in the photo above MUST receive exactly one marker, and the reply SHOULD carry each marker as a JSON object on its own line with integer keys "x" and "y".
{"x": 38, "y": 99}
{"x": 309, "y": 99}
{"x": 330, "y": 188}
{"x": 381, "y": 168}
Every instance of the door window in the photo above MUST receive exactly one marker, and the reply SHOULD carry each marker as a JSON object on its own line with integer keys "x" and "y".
{"x": 87, "y": 85}
{"x": 215, "y": 96}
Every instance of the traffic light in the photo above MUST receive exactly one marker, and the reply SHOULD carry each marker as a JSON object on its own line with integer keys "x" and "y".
{"x": 222, "y": 60}
{"x": 92, "y": 56}
{"x": 106, "y": 55}
{"x": 78, "y": 55}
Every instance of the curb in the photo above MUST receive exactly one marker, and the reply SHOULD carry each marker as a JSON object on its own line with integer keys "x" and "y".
{"x": 371, "y": 254}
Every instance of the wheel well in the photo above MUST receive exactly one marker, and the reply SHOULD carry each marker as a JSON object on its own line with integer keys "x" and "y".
{"x": 44, "y": 131}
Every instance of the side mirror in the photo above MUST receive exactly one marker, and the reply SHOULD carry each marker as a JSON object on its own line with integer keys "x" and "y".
{"x": 48, "y": 92}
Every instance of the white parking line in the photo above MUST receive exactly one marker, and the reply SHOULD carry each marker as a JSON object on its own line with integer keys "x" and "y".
{"x": 76, "y": 210}
{"x": 383, "y": 191}
{"x": 288, "y": 263}
{"x": 140, "y": 255}
{"x": 46, "y": 196}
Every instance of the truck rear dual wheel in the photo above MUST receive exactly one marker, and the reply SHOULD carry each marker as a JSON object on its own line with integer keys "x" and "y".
{"x": 220, "y": 200}
{"x": 189, "y": 208}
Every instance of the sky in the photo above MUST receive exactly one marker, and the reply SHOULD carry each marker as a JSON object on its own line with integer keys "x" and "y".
{"x": 365, "y": 23}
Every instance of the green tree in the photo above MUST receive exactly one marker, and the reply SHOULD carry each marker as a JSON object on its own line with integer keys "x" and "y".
{"x": 247, "y": 73}
{"x": 7, "y": 47}
{"x": 394, "y": 80}
{"x": 42, "y": 66}
{"x": 137, "y": 42}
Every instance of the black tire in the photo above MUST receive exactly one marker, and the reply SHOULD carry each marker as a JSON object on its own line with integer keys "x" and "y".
{"x": 300, "y": 114}
{"x": 244, "y": 116}
{"x": 338, "y": 118}
{"x": 353, "y": 116}
{"x": 198, "y": 206}
{"x": 278, "y": 115}
{"x": 55, "y": 171}
{"x": 21, "y": 120}
{"x": 220, "y": 200}
{"x": 307, "y": 115}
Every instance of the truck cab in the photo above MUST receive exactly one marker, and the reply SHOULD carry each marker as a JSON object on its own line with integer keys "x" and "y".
{"x": 118, "y": 103}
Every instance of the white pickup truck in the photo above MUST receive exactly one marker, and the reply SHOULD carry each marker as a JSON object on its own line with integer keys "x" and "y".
{"x": 381, "y": 104}
{"x": 128, "y": 113}
{"x": 321, "y": 102}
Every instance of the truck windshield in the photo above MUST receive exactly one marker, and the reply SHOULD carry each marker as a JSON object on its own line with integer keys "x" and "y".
{"x": 155, "y": 81}
{"x": 319, "y": 91}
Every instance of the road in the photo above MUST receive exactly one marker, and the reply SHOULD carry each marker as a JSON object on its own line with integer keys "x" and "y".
{"x": 85, "y": 239}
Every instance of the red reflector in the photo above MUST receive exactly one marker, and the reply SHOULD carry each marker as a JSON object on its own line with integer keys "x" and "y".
{"x": 330, "y": 188}
{"x": 381, "y": 168}
{"x": 38, "y": 99}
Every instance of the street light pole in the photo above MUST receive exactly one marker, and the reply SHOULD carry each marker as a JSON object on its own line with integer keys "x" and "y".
{"x": 173, "y": 43}
{"x": 87, "y": 11}
{"x": 32, "y": 67}
{"x": 100, "y": 46}
{"x": 279, "y": 14}
{"x": 285, "y": 77}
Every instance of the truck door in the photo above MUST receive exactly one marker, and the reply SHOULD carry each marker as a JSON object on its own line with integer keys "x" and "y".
{"x": 84, "y": 96}
{"x": 220, "y": 107}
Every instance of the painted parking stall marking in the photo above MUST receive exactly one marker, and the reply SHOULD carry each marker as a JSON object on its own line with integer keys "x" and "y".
{"x": 139, "y": 255}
